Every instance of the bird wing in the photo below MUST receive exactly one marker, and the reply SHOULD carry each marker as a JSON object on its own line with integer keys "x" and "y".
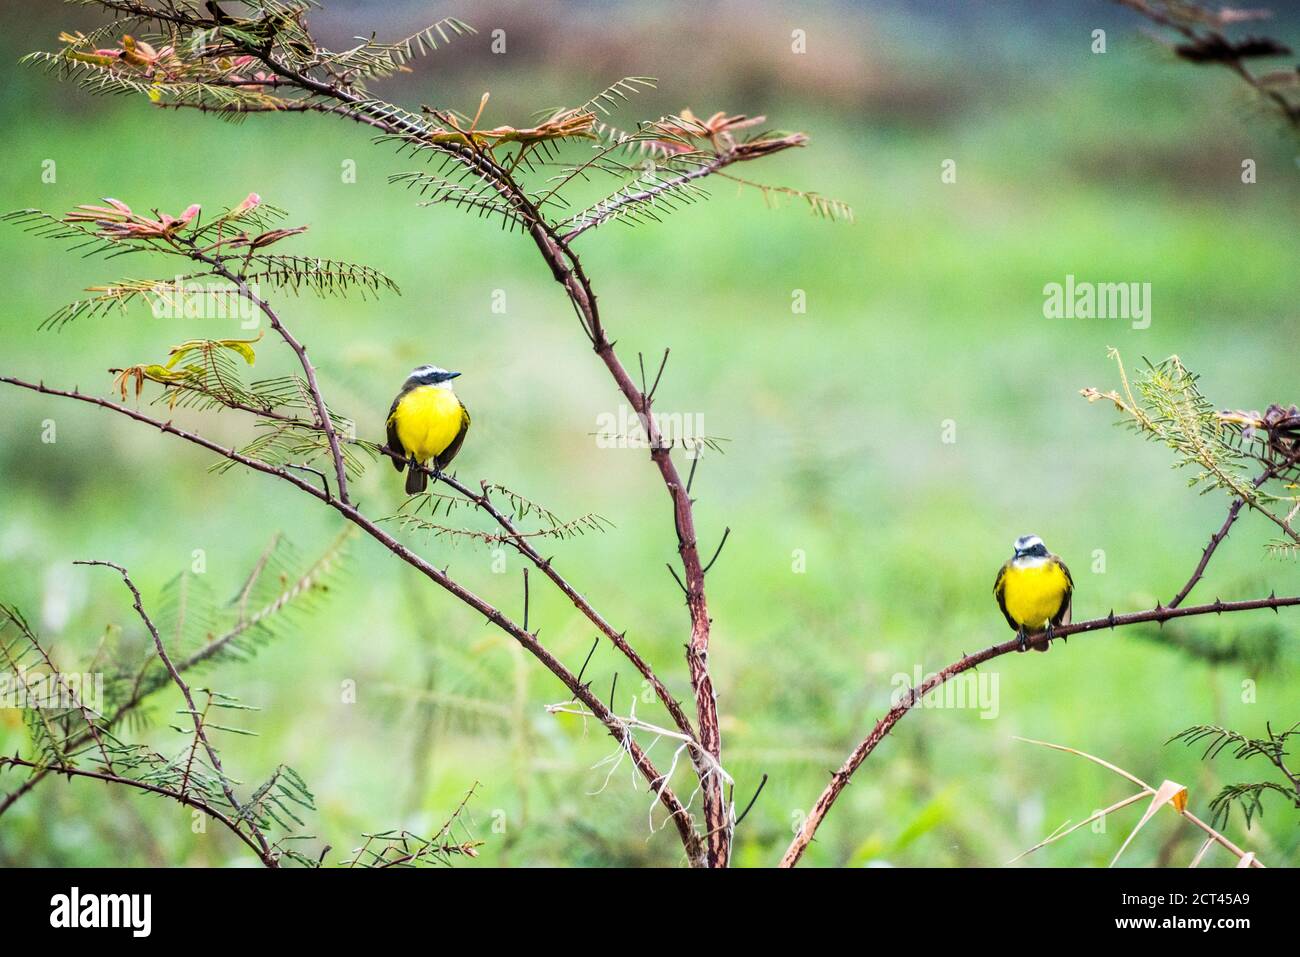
{"x": 450, "y": 451}
{"x": 999, "y": 592}
{"x": 394, "y": 442}
{"x": 1062, "y": 617}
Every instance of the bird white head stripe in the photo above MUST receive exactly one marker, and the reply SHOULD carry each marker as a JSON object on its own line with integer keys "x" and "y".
{"x": 1026, "y": 542}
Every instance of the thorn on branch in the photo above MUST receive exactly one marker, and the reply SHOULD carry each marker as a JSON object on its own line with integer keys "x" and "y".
{"x": 317, "y": 472}
{"x": 761, "y": 784}
{"x": 649, "y": 396}
{"x": 677, "y": 578}
{"x": 525, "y": 598}
{"x": 586, "y": 662}
{"x": 725, "y": 533}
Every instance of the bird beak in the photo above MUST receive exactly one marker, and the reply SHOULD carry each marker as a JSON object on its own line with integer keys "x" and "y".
{"x": 451, "y": 375}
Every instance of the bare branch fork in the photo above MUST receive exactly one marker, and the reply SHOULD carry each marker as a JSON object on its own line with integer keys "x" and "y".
{"x": 1234, "y": 510}
{"x": 525, "y": 548}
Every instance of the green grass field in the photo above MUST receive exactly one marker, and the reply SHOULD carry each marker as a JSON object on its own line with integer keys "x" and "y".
{"x": 928, "y": 308}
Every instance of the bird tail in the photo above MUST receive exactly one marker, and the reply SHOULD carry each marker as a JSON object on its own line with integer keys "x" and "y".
{"x": 1045, "y": 646}
{"x": 416, "y": 480}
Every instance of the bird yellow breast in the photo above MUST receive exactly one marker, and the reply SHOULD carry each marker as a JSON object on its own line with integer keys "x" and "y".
{"x": 427, "y": 419}
{"x": 1033, "y": 593}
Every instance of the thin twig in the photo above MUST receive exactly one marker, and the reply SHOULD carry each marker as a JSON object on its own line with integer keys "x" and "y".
{"x": 761, "y": 784}
{"x": 725, "y": 533}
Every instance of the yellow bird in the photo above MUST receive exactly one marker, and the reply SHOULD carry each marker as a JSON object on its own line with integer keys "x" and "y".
{"x": 427, "y": 423}
{"x": 1034, "y": 590}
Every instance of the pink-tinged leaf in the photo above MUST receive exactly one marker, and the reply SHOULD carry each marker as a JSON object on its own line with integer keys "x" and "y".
{"x": 251, "y": 202}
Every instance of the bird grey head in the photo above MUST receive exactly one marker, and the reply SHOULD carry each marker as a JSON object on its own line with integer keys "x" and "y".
{"x": 430, "y": 375}
{"x": 1030, "y": 546}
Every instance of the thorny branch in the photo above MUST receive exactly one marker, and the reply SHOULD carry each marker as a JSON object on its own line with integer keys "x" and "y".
{"x": 520, "y": 543}
{"x": 1170, "y": 793}
{"x": 188, "y": 799}
{"x": 528, "y": 640}
{"x": 568, "y": 271}
{"x": 840, "y": 778}
{"x": 295, "y": 73}
{"x": 322, "y": 413}
{"x": 294, "y": 63}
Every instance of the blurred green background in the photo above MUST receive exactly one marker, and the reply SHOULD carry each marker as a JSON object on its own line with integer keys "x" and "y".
{"x": 1116, "y": 167}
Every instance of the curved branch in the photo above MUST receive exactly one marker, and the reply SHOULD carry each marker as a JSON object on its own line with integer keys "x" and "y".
{"x": 581, "y": 692}
{"x": 840, "y": 779}
{"x": 268, "y": 857}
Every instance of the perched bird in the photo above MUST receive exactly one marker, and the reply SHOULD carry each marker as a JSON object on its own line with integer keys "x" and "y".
{"x": 427, "y": 423}
{"x": 1033, "y": 590}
